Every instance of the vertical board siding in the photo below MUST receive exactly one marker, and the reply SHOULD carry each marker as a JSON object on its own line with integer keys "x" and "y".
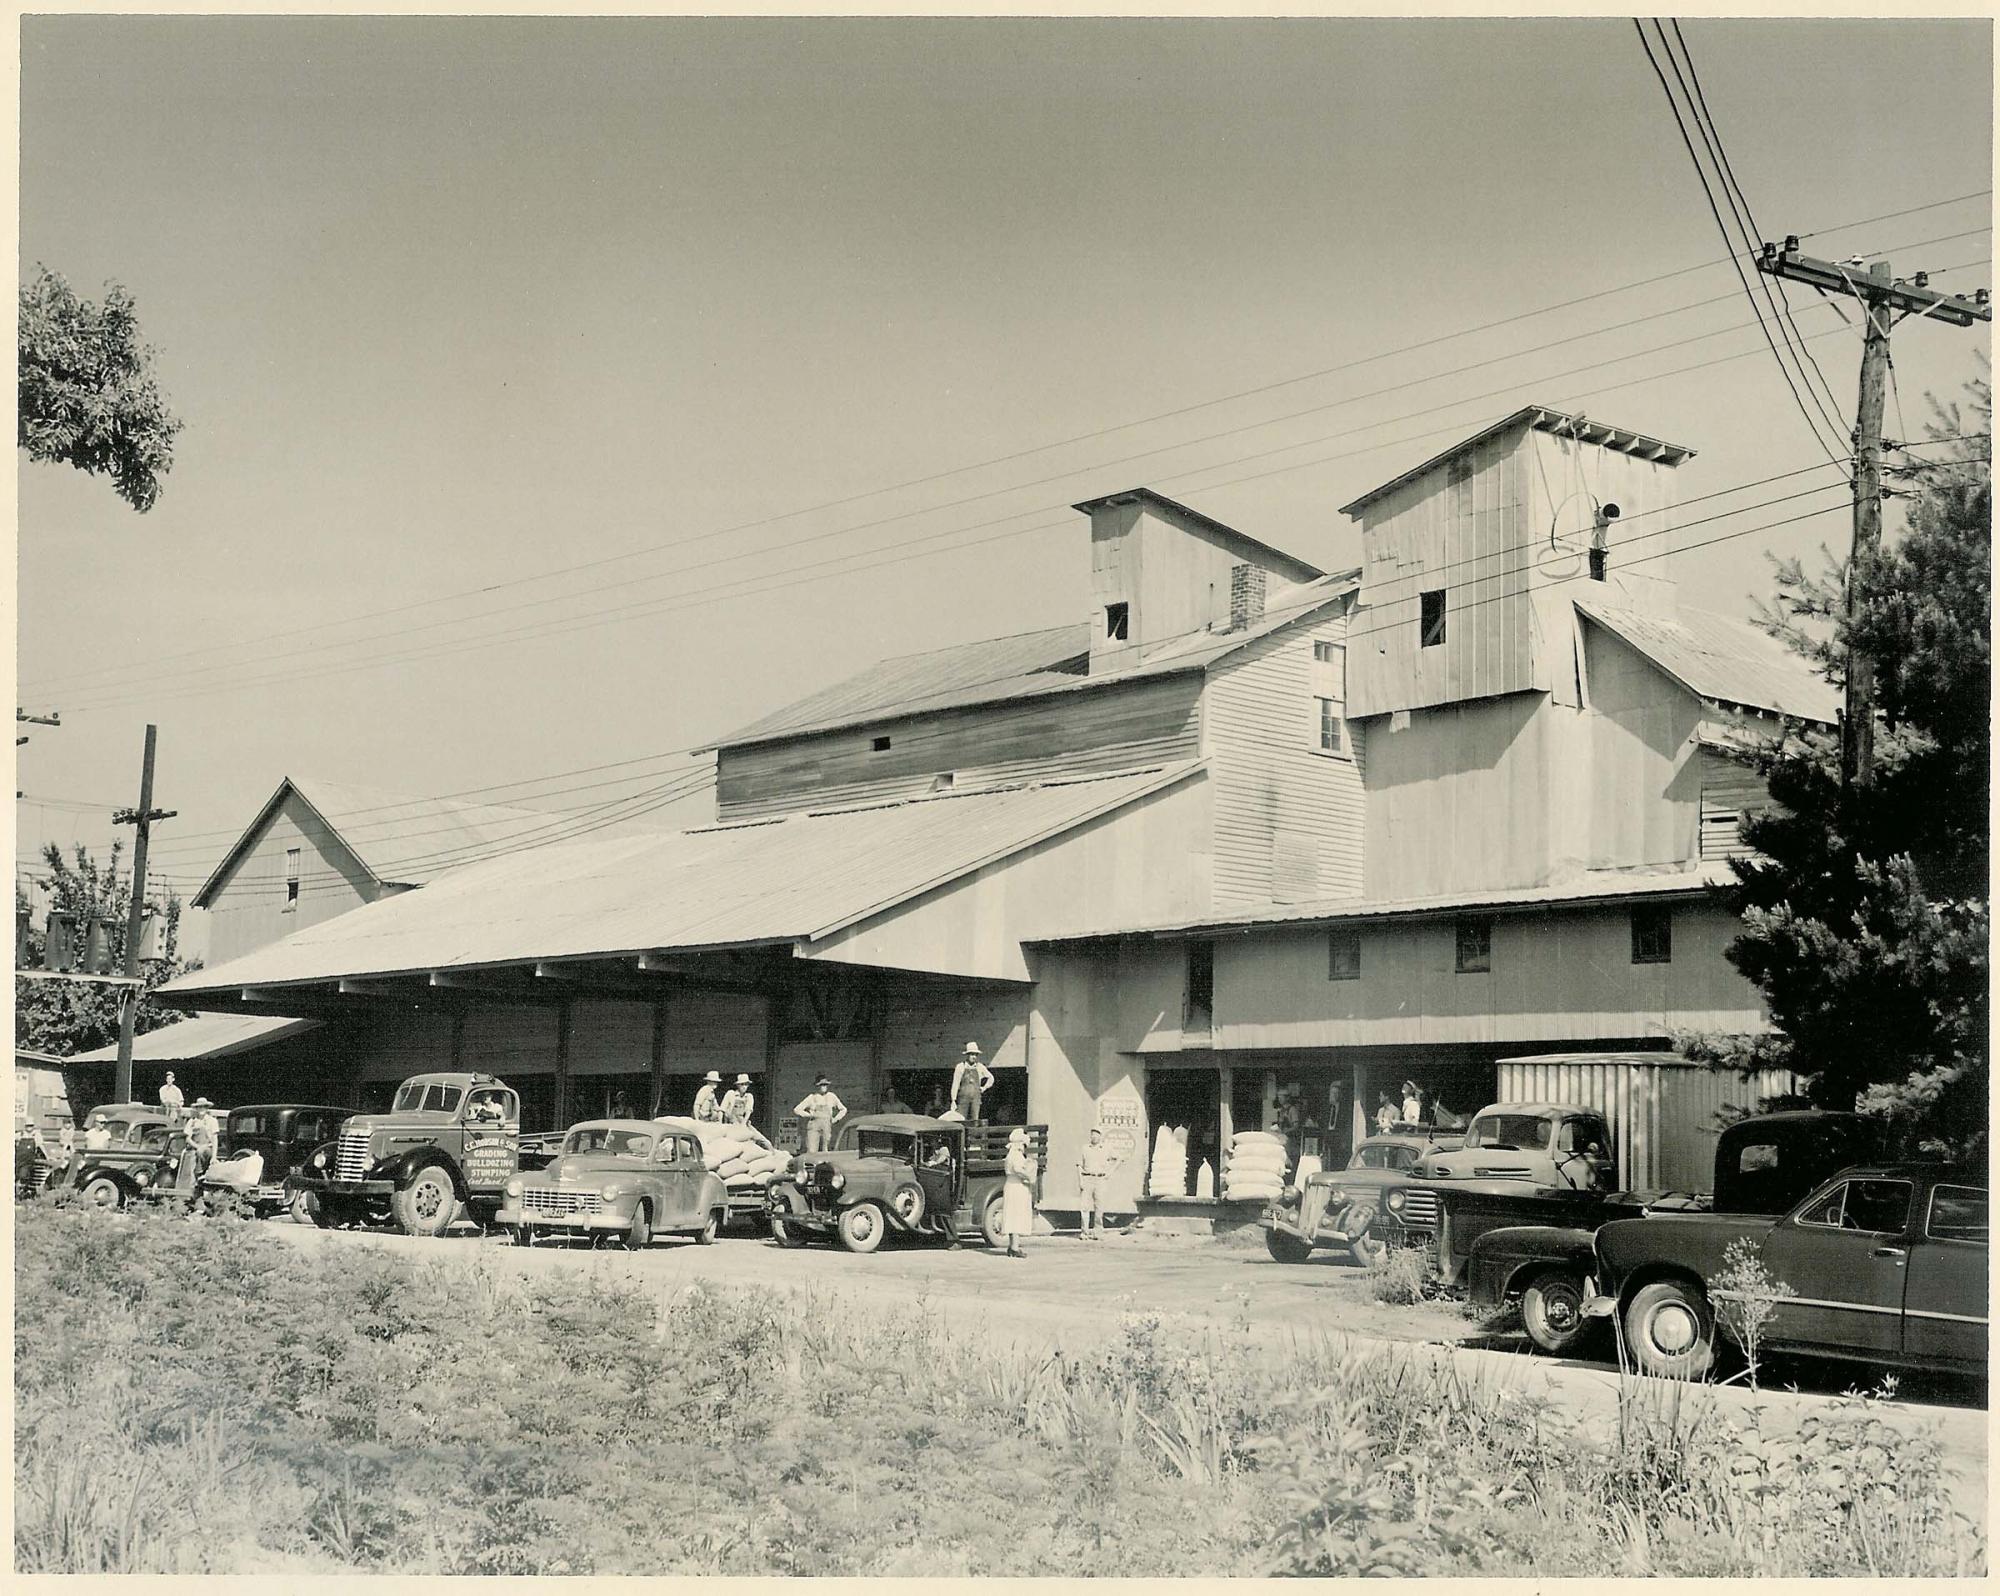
{"x": 1730, "y": 793}
{"x": 1116, "y": 727}
{"x": 1288, "y": 819}
{"x": 926, "y": 1028}
{"x": 248, "y": 910}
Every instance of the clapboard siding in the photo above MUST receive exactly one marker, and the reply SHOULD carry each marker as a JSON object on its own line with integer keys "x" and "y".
{"x": 1288, "y": 819}
{"x": 1115, "y": 727}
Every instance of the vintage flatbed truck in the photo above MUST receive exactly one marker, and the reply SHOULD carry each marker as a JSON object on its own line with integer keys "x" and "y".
{"x": 902, "y": 1174}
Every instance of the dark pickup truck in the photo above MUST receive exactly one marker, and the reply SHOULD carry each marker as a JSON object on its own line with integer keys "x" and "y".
{"x": 1763, "y": 1165}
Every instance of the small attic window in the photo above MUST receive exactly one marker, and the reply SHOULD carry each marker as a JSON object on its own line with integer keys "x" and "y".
{"x": 880, "y": 745}
{"x": 1430, "y": 621}
{"x": 1117, "y": 622}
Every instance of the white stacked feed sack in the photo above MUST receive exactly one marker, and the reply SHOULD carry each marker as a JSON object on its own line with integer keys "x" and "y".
{"x": 1256, "y": 1167}
{"x": 1168, "y": 1176}
{"x": 1309, "y": 1166}
{"x": 1204, "y": 1181}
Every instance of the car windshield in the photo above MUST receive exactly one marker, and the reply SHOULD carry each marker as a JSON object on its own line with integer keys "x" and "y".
{"x": 1386, "y": 1157}
{"x": 887, "y": 1144}
{"x": 432, "y": 1096}
{"x": 601, "y": 1142}
{"x": 1513, "y": 1133}
{"x": 149, "y": 1135}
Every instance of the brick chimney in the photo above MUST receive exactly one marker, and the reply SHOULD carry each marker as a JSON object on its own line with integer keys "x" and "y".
{"x": 1246, "y": 595}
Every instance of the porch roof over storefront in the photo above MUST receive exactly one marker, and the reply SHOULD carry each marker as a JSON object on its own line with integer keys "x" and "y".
{"x": 776, "y": 884}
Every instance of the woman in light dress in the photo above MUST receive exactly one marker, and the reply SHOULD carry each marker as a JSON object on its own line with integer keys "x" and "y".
{"x": 1017, "y": 1196}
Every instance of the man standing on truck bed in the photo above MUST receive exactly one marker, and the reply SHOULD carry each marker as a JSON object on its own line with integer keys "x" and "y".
{"x": 821, "y": 1110}
{"x": 969, "y": 1082}
{"x": 739, "y": 1102}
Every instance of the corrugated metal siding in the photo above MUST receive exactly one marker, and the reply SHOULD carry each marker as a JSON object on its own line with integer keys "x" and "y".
{"x": 1123, "y": 727}
{"x": 1664, "y": 1117}
{"x": 1288, "y": 819}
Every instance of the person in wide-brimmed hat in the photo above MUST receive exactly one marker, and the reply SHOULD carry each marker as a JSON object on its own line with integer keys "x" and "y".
{"x": 1017, "y": 1196}
{"x": 704, "y": 1100}
{"x": 821, "y": 1109}
{"x": 969, "y": 1082}
{"x": 738, "y": 1102}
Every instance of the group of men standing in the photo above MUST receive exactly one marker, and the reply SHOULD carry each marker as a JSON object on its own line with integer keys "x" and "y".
{"x": 715, "y": 1106}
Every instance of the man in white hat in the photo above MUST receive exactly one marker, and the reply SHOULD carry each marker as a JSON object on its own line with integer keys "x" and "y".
{"x": 738, "y": 1101}
{"x": 969, "y": 1081}
{"x": 821, "y": 1109}
{"x": 704, "y": 1100}
{"x": 202, "y": 1134}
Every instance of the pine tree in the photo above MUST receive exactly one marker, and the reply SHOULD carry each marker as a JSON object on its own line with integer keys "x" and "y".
{"x": 1866, "y": 918}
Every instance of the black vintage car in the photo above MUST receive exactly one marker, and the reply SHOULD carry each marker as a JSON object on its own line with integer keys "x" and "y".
{"x": 143, "y": 1156}
{"x": 1882, "y": 1265}
{"x": 260, "y": 1145}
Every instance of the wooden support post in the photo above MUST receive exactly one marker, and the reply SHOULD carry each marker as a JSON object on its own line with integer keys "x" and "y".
{"x": 1226, "y": 1082}
{"x": 458, "y": 1040}
{"x": 659, "y": 1059}
{"x": 563, "y": 1012}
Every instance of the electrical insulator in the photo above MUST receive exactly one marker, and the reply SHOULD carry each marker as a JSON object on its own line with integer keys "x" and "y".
{"x": 97, "y": 947}
{"x": 59, "y": 946}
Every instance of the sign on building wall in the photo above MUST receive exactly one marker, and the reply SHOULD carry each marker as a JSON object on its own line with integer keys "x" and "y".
{"x": 1121, "y": 1112}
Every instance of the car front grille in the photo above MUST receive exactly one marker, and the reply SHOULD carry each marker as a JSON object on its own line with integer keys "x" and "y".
{"x": 1420, "y": 1210}
{"x": 560, "y": 1204}
{"x": 351, "y": 1163}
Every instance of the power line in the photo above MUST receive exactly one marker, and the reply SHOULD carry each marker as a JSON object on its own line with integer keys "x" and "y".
{"x": 1708, "y": 194}
{"x": 1754, "y": 235}
{"x": 294, "y": 632}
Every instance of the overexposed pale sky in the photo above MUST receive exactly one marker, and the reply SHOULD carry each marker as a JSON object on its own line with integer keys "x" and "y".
{"x": 447, "y": 305}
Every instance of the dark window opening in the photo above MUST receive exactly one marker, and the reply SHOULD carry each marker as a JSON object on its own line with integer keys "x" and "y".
{"x": 1200, "y": 985}
{"x": 1430, "y": 625}
{"x": 1343, "y": 956}
{"x": 1475, "y": 946}
{"x": 1117, "y": 622}
{"x": 1652, "y": 936}
{"x": 880, "y": 745}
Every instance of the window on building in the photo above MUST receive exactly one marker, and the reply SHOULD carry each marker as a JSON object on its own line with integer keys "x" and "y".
{"x": 291, "y": 879}
{"x": 1200, "y": 986}
{"x": 1117, "y": 622}
{"x": 1653, "y": 935}
{"x": 1343, "y": 956}
{"x": 1329, "y": 685}
{"x": 1430, "y": 622}
{"x": 880, "y": 745}
{"x": 1475, "y": 945}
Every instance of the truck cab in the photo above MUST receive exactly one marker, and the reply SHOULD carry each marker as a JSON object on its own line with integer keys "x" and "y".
{"x": 448, "y": 1144}
{"x": 1547, "y": 1144}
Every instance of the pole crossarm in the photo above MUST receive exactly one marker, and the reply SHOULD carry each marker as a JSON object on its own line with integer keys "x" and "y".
{"x": 1912, "y": 297}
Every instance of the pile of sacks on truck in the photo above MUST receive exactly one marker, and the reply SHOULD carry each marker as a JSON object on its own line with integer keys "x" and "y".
{"x": 740, "y": 1156}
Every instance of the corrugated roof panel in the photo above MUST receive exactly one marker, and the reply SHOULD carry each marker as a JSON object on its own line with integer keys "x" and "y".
{"x": 1726, "y": 660}
{"x": 769, "y": 881}
{"x": 204, "y": 1036}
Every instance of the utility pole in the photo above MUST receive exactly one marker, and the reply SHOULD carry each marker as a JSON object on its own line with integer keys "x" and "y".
{"x": 128, "y": 1009}
{"x": 1881, "y": 296}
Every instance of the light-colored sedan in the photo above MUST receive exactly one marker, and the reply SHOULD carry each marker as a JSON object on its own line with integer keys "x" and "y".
{"x": 626, "y": 1177}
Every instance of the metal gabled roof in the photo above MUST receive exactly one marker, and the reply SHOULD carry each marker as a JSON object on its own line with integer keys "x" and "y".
{"x": 204, "y": 1036}
{"x": 768, "y": 882}
{"x": 1723, "y": 660}
{"x": 398, "y": 839}
{"x": 1030, "y": 665}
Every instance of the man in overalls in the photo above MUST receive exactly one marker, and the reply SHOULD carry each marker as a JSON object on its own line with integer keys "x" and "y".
{"x": 969, "y": 1082}
{"x": 821, "y": 1110}
{"x": 739, "y": 1102}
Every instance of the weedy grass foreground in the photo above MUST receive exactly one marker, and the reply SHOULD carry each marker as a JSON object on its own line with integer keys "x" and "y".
{"x": 194, "y": 1396}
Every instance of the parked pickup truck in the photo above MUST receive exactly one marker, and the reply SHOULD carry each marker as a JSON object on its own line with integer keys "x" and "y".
{"x": 447, "y": 1145}
{"x": 1552, "y": 1157}
{"x": 1763, "y": 1165}
{"x": 903, "y": 1173}
{"x": 1886, "y": 1265}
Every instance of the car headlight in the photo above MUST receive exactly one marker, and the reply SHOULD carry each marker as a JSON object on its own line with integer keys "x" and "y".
{"x": 837, "y": 1181}
{"x": 1290, "y": 1197}
{"x": 1395, "y": 1202}
{"x": 319, "y": 1159}
{"x": 144, "y": 1177}
{"x": 1336, "y": 1194}
{"x": 513, "y": 1187}
{"x": 612, "y": 1191}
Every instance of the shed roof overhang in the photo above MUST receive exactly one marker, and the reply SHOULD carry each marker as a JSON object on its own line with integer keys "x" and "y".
{"x": 734, "y": 907}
